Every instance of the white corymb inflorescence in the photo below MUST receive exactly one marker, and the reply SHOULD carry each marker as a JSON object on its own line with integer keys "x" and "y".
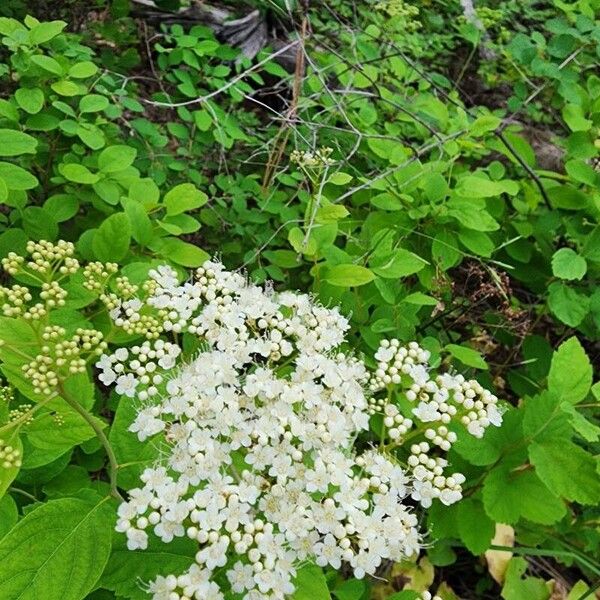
{"x": 438, "y": 402}
{"x": 263, "y": 469}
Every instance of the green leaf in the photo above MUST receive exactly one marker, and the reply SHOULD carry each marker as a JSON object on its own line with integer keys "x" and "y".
{"x": 108, "y": 190}
{"x": 566, "y": 304}
{"x": 351, "y": 589}
{"x": 477, "y": 242}
{"x": 62, "y": 206}
{"x": 571, "y": 373}
{"x": 8, "y": 110}
{"x": 47, "y": 63}
{"x": 78, "y": 173}
{"x": 39, "y": 223}
{"x": 544, "y": 421}
{"x": 67, "y": 88}
{"x": 420, "y": 299}
{"x": 518, "y": 588}
{"x": 511, "y": 493}
{"x": 111, "y": 240}
{"x": 484, "y": 124}
{"x": 93, "y": 103}
{"x": 302, "y": 243}
{"x": 31, "y": 100}
{"x": 44, "y": 32}
{"x": 472, "y": 186}
{"x": 68, "y": 482}
{"x": 467, "y": 356}
{"x": 581, "y": 172}
{"x": 125, "y": 569}
{"x": 567, "y": 469}
{"x": 567, "y": 264}
{"x": 472, "y": 215}
{"x": 575, "y": 118}
{"x": 591, "y": 248}
{"x": 476, "y": 529}
{"x": 348, "y": 275}
{"x": 203, "y": 120}
{"x": 184, "y": 197}
{"x": 130, "y": 453}
{"x": 84, "y": 69}
{"x": 45, "y": 434}
{"x": 180, "y": 252}
{"x": 91, "y": 136}
{"x": 17, "y": 178}
{"x": 444, "y": 250}
{"x": 586, "y": 429}
{"x": 400, "y": 263}
{"x": 14, "y": 143}
{"x": 331, "y": 213}
{"x": 3, "y": 192}
{"x": 310, "y": 584}
{"x": 387, "y": 201}
{"x": 568, "y": 197}
{"x": 57, "y": 551}
{"x": 144, "y": 191}
{"x": 9, "y": 514}
{"x": 141, "y": 226}
{"x": 286, "y": 259}
{"x": 116, "y": 158}
{"x": 339, "y": 178}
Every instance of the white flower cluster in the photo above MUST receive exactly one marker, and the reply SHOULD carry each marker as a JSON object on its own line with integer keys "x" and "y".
{"x": 320, "y": 158}
{"x": 262, "y": 469}
{"x": 441, "y": 401}
{"x": 138, "y": 365}
{"x": 262, "y": 472}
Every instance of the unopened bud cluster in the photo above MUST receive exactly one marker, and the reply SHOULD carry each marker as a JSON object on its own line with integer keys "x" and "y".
{"x": 20, "y": 412}
{"x": 97, "y": 274}
{"x": 60, "y": 357}
{"x": 10, "y": 457}
{"x": 14, "y": 300}
{"x": 318, "y": 158}
{"x": 44, "y": 257}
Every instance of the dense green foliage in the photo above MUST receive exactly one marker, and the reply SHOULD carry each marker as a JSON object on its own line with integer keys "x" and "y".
{"x": 438, "y": 181}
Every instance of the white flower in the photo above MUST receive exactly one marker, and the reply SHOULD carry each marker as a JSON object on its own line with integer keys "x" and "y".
{"x": 241, "y": 577}
{"x": 136, "y": 539}
{"x": 427, "y": 412}
{"x": 126, "y": 385}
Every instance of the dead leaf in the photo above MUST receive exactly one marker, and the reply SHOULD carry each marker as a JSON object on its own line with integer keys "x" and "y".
{"x": 497, "y": 560}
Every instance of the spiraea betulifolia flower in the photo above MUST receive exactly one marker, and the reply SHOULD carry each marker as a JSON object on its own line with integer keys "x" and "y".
{"x": 263, "y": 468}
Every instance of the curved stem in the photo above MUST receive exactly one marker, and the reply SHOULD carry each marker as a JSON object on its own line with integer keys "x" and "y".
{"x": 16, "y": 490}
{"x": 112, "y": 459}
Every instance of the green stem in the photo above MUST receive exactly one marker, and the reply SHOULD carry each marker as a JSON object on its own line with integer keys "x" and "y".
{"x": 15, "y": 490}
{"x": 112, "y": 459}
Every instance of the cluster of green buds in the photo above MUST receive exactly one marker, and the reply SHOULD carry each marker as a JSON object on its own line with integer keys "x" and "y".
{"x": 60, "y": 357}
{"x": 97, "y": 274}
{"x": 318, "y": 158}
{"x": 23, "y": 411}
{"x": 15, "y": 300}
{"x": 45, "y": 258}
{"x": 126, "y": 308}
{"x": 53, "y": 295}
{"x": 7, "y": 394}
{"x": 10, "y": 457}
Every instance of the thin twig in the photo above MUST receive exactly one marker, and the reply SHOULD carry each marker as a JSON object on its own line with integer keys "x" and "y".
{"x": 230, "y": 83}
